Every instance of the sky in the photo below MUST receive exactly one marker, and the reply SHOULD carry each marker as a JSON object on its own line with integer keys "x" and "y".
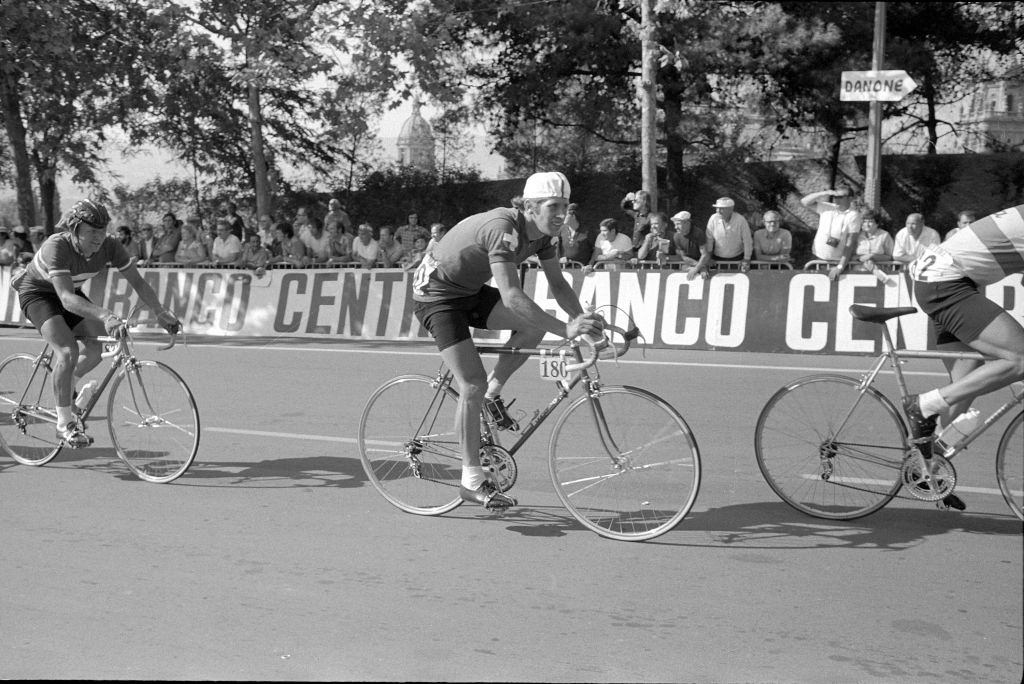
{"x": 137, "y": 169}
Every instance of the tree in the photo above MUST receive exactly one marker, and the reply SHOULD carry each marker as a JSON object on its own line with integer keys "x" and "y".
{"x": 948, "y": 48}
{"x": 66, "y": 75}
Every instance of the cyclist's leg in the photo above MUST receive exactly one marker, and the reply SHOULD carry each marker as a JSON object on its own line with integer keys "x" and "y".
{"x": 1003, "y": 338}
{"x": 522, "y": 337}
{"x": 62, "y": 341}
{"x": 465, "y": 364}
{"x": 957, "y": 368}
{"x": 86, "y": 332}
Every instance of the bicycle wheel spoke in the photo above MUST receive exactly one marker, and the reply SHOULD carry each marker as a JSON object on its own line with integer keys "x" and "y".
{"x": 812, "y": 463}
{"x": 156, "y": 449}
{"x": 408, "y": 446}
{"x": 633, "y": 477}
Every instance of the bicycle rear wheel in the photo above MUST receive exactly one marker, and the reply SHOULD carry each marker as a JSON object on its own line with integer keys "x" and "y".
{"x": 408, "y": 445}
{"x": 28, "y": 419}
{"x": 829, "y": 450}
{"x": 153, "y": 421}
{"x": 624, "y": 463}
{"x": 1010, "y": 465}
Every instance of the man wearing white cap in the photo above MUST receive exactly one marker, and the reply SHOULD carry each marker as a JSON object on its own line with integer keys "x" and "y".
{"x": 451, "y": 294}
{"x": 689, "y": 241}
{"x": 728, "y": 236}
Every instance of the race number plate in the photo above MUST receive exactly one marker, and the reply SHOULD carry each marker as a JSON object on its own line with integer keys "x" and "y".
{"x": 552, "y": 366}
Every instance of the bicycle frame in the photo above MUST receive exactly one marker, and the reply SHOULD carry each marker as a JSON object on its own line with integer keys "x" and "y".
{"x": 894, "y": 357}
{"x": 445, "y": 377}
{"x": 121, "y": 355}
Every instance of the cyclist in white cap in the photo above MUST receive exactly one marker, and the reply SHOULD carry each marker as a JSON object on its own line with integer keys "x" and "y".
{"x": 452, "y": 296}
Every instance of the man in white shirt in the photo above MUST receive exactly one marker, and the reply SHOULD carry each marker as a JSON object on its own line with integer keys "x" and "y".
{"x": 728, "y": 236}
{"x": 226, "y": 247}
{"x": 611, "y": 246}
{"x": 365, "y": 249}
{"x": 838, "y": 226}
{"x": 912, "y": 239}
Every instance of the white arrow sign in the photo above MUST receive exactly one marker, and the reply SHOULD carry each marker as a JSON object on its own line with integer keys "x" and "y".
{"x": 868, "y": 86}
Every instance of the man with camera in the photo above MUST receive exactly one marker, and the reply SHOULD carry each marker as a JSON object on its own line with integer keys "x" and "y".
{"x": 838, "y": 226}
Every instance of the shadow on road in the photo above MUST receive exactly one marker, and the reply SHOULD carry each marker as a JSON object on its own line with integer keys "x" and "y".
{"x": 776, "y": 525}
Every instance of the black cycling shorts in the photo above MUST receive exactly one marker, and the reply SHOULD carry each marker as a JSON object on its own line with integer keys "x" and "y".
{"x": 40, "y": 306}
{"x": 449, "y": 320}
{"x": 958, "y": 308}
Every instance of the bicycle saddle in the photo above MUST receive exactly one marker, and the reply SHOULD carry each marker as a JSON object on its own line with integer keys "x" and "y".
{"x": 876, "y": 314}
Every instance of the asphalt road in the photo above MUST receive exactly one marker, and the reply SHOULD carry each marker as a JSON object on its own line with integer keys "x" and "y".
{"x": 274, "y": 559}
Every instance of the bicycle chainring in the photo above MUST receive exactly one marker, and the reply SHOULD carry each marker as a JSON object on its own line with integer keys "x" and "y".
{"x": 932, "y": 486}
{"x": 501, "y": 468}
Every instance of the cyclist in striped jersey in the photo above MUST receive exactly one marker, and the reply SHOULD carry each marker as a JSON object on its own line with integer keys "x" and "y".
{"x": 948, "y": 283}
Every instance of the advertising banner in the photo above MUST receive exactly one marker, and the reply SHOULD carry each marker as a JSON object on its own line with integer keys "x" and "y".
{"x": 759, "y": 311}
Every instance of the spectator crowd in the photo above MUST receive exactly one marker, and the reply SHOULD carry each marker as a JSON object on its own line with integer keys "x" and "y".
{"x": 848, "y": 237}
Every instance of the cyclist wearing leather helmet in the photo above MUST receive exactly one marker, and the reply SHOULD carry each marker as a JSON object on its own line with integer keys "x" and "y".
{"x": 50, "y": 295}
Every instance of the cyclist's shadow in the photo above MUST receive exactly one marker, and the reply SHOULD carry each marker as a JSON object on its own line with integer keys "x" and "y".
{"x": 774, "y": 525}
{"x": 771, "y": 525}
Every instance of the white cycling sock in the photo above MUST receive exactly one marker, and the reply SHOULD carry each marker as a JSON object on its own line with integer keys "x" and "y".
{"x": 473, "y": 477}
{"x": 493, "y": 390}
{"x": 64, "y": 416}
{"x": 932, "y": 403}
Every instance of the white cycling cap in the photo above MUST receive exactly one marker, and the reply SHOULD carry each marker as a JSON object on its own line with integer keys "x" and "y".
{"x": 546, "y": 184}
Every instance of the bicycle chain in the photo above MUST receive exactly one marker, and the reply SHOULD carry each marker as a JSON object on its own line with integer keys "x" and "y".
{"x": 944, "y": 490}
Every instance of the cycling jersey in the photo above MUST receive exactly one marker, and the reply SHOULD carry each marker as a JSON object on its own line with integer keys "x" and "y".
{"x": 985, "y": 252}
{"x": 460, "y": 264}
{"x": 58, "y": 256}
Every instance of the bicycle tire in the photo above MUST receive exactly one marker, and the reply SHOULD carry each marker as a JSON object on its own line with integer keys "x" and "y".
{"x": 405, "y": 420}
{"x": 658, "y": 482}
{"x": 28, "y": 419}
{"x": 153, "y": 421}
{"x": 1010, "y": 465}
{"x": 805, "y": 456}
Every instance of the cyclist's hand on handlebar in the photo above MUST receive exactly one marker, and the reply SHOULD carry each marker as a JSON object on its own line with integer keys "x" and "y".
{"x": 169, "y": 322}
{"x": 590, "y": 323}
{"x": 114, "y": 326}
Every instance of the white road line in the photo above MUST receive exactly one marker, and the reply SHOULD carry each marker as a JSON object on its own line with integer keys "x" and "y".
{"x": 628, "y": 362}
{"x": 887, "y": 483}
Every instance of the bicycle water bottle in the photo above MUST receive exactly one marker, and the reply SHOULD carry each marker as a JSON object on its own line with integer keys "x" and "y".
{"x": 954, "y": 433}
{"x": 85, "y": 394}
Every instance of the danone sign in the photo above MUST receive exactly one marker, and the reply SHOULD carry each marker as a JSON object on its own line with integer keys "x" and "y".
{"x": 759, "y": 311}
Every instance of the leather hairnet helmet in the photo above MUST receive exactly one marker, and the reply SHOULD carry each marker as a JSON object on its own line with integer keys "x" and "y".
{"x": 93, "y": 213}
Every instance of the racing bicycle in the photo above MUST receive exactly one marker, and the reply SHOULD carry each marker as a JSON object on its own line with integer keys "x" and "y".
{"x": 151, "y": 413}
{"x": 622, "y": 460}
{"x": 836, "y": 447}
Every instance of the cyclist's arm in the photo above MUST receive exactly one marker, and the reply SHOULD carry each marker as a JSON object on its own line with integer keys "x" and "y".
{"x": 76, "y": 304}
{"x": 561, "y": 290}
{"x": 145, "y": 292}
{"x": 506, "y": 277}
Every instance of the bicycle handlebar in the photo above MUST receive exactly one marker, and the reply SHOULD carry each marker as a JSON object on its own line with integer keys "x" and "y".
{"x": 604, "y": 344}
{"x": 123, "y": 333}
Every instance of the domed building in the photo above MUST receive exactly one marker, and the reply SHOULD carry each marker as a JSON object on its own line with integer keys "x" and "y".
{"x": 416, "y": 141}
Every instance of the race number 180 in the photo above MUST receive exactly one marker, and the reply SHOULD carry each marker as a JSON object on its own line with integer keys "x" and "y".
{"x": 553, "y": 367}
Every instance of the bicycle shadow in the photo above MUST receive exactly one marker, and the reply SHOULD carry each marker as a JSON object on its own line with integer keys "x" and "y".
{"x": 312, "y": 471}
{"x": 774, "y": 525}
{"x": 286, "y": 472}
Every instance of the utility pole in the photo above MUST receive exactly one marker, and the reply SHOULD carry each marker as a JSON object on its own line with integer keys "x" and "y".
{"x": 873, "y": 179}
{"x": 648, "y": 104}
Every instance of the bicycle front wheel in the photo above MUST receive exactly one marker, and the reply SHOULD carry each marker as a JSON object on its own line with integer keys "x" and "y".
{"x": 409, "y": 447}
{"x": 829, "y": 449}
{"x": 1010, "y": 465}
{"x": 624, "y": 463}
{"x": 153, "y": 421}
{"x": 28, "y": 419}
